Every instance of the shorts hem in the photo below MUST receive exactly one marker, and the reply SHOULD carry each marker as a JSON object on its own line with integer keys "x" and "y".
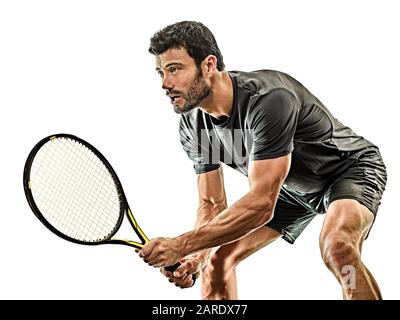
{"x": 285, "y": 235}
{"x": 352, "y": 198}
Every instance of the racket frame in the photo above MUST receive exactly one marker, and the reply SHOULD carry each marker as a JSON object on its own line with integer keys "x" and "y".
{"x": 124, "y": 206}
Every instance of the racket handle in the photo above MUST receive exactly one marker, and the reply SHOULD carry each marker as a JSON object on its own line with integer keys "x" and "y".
{"x": 176, "y": 266}
{"x": 173, "y": 268}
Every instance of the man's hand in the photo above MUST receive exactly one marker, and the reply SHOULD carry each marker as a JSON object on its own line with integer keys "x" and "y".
{"x": 161, "y": 252}
{"x": 188, "y": 271}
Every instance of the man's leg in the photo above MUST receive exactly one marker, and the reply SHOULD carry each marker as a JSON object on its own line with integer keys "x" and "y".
{"x": 219, "y": 276}
{"x": 345, "y": 226}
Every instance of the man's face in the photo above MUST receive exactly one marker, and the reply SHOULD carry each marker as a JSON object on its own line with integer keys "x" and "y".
{"x": 182, "y": 79}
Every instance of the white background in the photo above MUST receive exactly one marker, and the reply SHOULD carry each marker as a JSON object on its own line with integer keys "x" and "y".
{"x": 82, "y": 67}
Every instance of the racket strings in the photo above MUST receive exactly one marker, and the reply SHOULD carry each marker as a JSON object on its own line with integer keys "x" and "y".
{"x": 74, "y": 190}
{"x": 68, "y": 196}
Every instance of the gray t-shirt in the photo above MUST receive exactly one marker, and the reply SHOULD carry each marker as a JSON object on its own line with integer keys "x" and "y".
{"x": 272, "y": 115}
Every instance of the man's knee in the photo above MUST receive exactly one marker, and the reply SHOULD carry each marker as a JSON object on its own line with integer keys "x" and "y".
{"x": 219, "y": 265}
{"x": 218, "y": 277}
{"x": 345, "y": 226}
{"x": 338, "y": 251}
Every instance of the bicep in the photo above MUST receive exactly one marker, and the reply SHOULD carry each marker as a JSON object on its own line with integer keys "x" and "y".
{"x": 267, "y": 176}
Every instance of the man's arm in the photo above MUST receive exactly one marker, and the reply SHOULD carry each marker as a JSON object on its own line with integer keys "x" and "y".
{"x": 252, "y": 211}
{"x": 212, "y": 201}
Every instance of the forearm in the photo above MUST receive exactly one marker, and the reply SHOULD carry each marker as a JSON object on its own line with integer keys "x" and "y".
{"x": 208, "y": 211}
{"x": 231, "y": 224}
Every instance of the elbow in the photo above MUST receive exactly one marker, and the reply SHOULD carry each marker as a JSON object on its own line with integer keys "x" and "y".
{"x": 264, "y": 212}
{"x": 264, "y": 217}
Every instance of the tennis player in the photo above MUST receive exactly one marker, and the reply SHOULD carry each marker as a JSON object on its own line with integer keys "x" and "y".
{"x": 299, "y": 159}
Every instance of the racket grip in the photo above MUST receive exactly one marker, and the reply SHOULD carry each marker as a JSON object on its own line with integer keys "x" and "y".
{"x": 173, "y": 268}
{"x": 176, "y": 266}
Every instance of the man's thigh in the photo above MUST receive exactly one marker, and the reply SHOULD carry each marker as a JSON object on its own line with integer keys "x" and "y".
{"x": 364, "y": 184}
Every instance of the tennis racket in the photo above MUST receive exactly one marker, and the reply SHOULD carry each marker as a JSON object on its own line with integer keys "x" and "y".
{"x": 73, "y": 190}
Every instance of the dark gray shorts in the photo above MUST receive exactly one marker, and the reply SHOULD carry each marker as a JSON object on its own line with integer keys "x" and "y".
{"x": 364, "y": 181}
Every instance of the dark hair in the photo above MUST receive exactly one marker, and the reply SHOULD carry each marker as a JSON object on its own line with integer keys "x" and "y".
{"x": 194, "y": 36}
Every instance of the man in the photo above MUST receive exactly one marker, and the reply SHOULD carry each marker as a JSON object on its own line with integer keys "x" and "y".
{"x": 300, "y": 161}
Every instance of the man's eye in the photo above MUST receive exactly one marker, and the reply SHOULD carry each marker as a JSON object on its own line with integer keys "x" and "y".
{"x": 173, "y": 70}
{"x": 161, "y": 74}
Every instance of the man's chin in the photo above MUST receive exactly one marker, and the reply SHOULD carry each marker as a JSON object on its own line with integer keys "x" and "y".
{"x": 184, "y": 109}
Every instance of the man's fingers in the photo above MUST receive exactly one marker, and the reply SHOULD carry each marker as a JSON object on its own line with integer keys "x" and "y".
{"x": 184, "y": 268}
{"x": 186, "y": 282}
{"x": 178, "y": 281}
{"x": 184, "y": 275}
{"x": 146, "y": 253}
{"x": 147, "y": 249}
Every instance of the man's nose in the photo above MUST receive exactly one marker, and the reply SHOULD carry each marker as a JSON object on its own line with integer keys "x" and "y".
{"x": 167, "y": 83}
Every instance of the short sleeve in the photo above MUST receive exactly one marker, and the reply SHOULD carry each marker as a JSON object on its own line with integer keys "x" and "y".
{"x": 197, "y": 147}
{"x": 273, "y": 121}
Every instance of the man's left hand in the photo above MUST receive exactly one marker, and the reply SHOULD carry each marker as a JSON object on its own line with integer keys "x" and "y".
{"x": 161, "y": 252}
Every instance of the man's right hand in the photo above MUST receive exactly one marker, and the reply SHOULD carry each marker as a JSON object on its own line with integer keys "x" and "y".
{"x": 186, "y": 274}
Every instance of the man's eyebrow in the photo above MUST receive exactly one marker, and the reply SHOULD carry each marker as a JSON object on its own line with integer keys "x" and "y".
{"x": 178, "y": 64}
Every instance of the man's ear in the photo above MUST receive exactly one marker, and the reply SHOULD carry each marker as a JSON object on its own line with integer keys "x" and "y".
{"x": 210, "y": 65}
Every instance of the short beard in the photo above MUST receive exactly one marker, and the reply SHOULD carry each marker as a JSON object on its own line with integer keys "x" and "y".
{"x": 197, "y": 93}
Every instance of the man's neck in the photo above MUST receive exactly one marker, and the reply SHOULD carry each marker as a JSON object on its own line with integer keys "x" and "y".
{"x": 219, "y": 103}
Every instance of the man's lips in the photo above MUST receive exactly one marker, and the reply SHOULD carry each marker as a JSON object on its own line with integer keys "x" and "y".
{"x": 175, "y": 97}
{"x": 175, "y": 100}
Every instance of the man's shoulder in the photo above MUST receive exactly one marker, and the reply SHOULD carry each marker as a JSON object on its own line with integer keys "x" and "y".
{"x": 256, "y": 73}
{"x": 263, "y": 81}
